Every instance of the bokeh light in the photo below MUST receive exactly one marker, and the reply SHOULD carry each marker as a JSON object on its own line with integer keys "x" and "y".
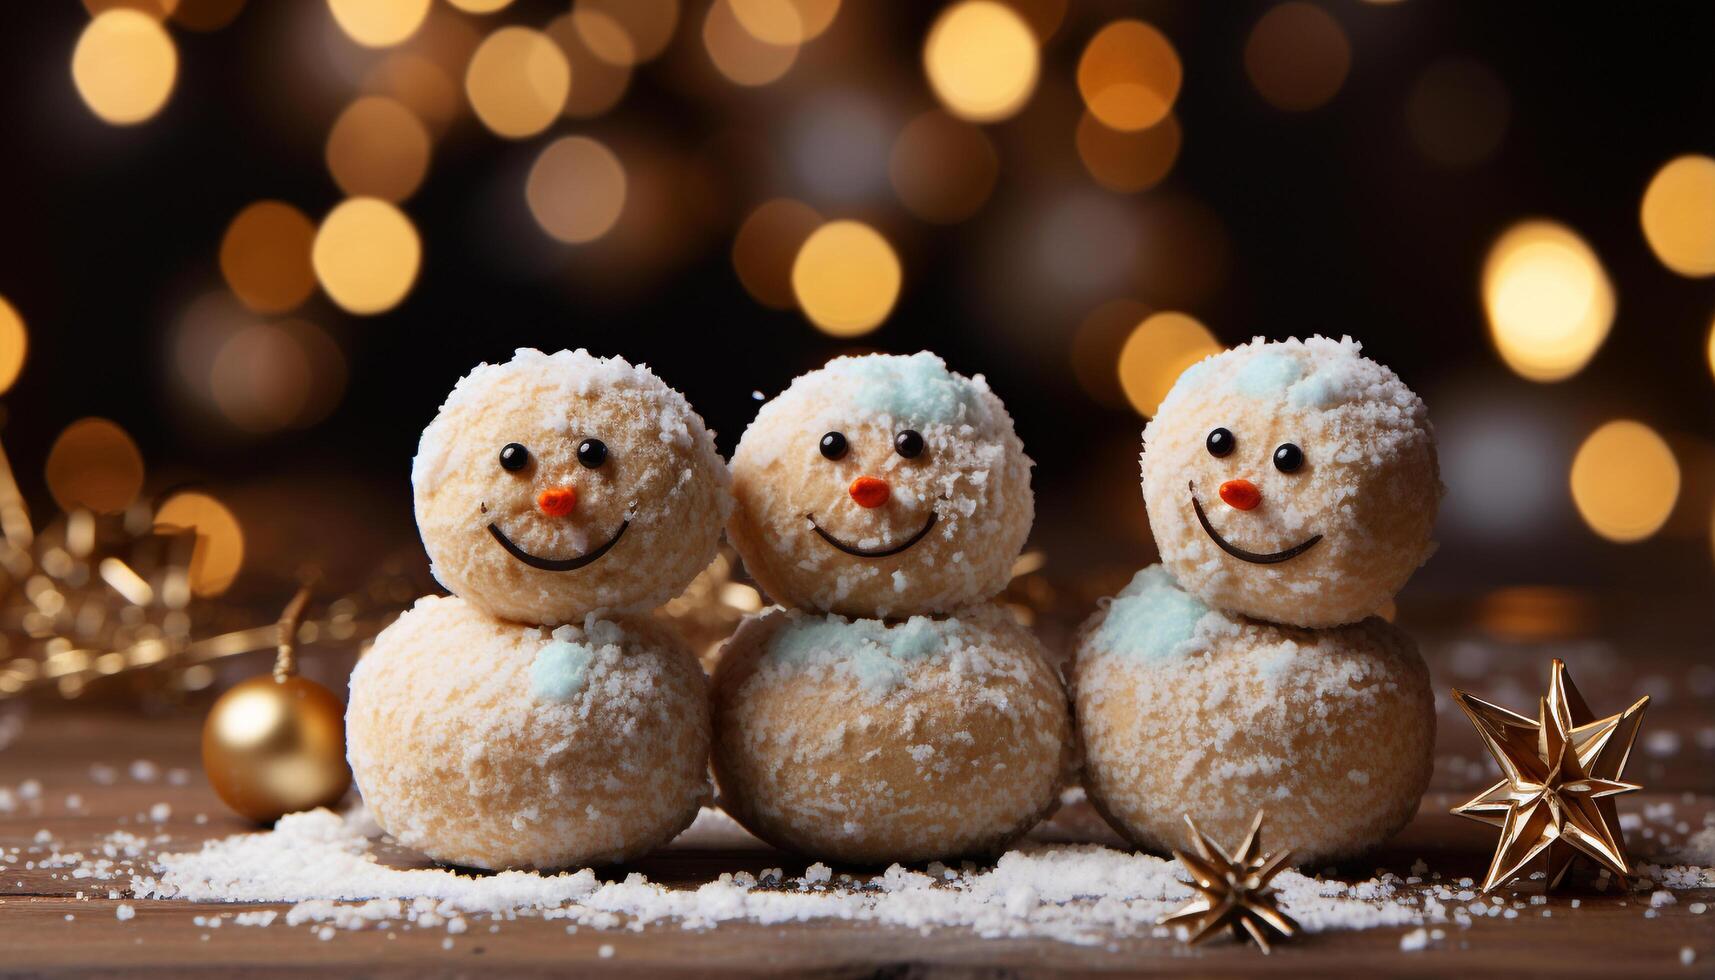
{"x": 605, "y": 37}
{"x": 366, "y": 254}
{"x": 785, "y": 22}
{"x": 1157, "y": 352}
{"x": 738, "y": 54}
{"x": 271, "y": 376}
{"x": 265, "y": 256}
{"x": 124, "y": 66}
{"x": 1549, "y": 301}
{"x": 1096, "y": 349}
{"x": 158, "y": 9}
{"x": 1128, "y": 161}
{"x": 597, "y": 85}
{"x": 205, "y": 15}
{"x": 94, "y": 465}
{"x": 218, "y": 555}
{"x": 480, "y": 6}
{"x": 846, "y": 278}
{"x": 14, "y": 344}
{"x": 518, "y": 81}
{"x": 1625, "y": 481}
{"x": 379, "y": 23}
{"x": 648, "y": 24}
{"x": 419, "y": 84}
{"x": 942, "y": 168}
{"x": 378, "y": 148}
{"x": 576, "y": 189}
{"x": 1678, "y": 215}
{"x": 982, "y": 60}
{"x": 1129, "y": 75}
{"x": 766, "y": 247}
{"x": 1297, "y": 56}
{"x": 1457, "y": 113}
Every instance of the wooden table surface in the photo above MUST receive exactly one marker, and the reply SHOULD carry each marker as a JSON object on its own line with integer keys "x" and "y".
{"x": 82, "y": 760}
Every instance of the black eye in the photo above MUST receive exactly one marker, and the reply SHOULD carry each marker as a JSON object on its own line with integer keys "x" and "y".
{"x": 1288, "y": 458}
{"x": 834, "y": 445}
{"x": 1220, "y": 443}
{"x": 514, "y": 457}
{"x": 592, "y": 453}
{"x": 908, "y": 444}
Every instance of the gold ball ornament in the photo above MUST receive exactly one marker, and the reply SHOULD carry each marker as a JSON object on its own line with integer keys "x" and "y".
{"x": 276, "y": 745}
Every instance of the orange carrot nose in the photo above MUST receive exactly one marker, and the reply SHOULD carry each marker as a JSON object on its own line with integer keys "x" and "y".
{"x": 557, "y": 501}
{"x": 870, "y": 492}
{"x": 1240, "y": 494}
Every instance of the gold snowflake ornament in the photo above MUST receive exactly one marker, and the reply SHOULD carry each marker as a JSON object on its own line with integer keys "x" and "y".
{"x": 1561, "y": 772}
{"x": 1234, "y": 890}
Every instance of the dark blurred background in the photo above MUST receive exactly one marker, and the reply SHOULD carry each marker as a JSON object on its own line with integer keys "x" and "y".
{"x": 1173, "y": 176}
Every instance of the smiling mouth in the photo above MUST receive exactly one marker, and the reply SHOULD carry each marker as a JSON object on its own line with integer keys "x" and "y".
{"x": 556, "y": 564}
{"x": 876, "y": 552}
{"x": 1255, "y": 558}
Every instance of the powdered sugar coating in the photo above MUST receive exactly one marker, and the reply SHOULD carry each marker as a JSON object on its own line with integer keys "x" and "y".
{"x": 661, "y": 474}
{"x": 866, "y": 742}
{"x": 972, "y": 477}
{"x": 461, "y": 753}
{"x": 1330, "y": 731}
{"x": 1369, "y": 483}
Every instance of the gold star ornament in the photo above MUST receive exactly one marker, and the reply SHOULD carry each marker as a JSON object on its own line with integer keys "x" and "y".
{"x": 1234, "y": 890}
{"x": 1560, "y": 774}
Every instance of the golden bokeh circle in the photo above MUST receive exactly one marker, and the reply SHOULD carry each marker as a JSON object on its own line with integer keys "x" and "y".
{"x": 604, "y": 36}
{"x": 366, "y": 255}
{"x": 420, "y": 85}
{"x": 738, "y": 55}
{"x": 648, "y": 23}
{"x": 1297, "y": 56}
{"x": 766, "y": 247}
{"x": 158, "y": 9}
{"x": 1625, "y": 481}
{"x": 218, "y": 555}
{"x": 576, "y": 189}
{"x": 265, "y": 256}
{"x": 480, "y": 6}
{"x": 1128, "y": 161}
{"x": 1129, "y": 75}
{"x": 14, "y": 344}
{"x": 517, "y": 82}
{"x": 1159, "y": 350}
{"x": 942, "y": 168}
{"x": 597, "y": 85}
{"x": 785, "y": 22}
{"x": 846, "y": 278}
{"x": 1548, "y": 299}
{"x": 1678, "y": 215}
{"x": 378, "y": 148}
{"x": 379, "y": 23}
{"x": 95, "y": 466}
{"x": 982, "y": 60}
{"x": 124, "y": 66}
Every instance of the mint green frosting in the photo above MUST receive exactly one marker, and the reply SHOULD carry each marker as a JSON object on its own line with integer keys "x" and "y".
{"x": 560, "y": 670}
{"x": 876, "y": 655}
{"x": 916, "y": 388}
{"x": 1151, "y": 618}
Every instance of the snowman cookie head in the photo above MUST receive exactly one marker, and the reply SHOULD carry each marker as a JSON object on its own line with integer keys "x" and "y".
{"x": 557, "y": 485}
{"x": 881, "y": 486}
{"x": 1294, "y": 482}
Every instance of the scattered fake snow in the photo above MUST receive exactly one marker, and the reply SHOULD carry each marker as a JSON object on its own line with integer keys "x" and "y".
{"x": 1075, "y": 893}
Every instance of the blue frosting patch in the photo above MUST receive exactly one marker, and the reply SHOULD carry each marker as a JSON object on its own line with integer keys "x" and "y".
{"x": 1151, "y": 618}
{"x": 918, "y": 388}
{"x": 560, "y": 670}
{"x": 1267, "y": 374}
{"x": 874, "y": 654}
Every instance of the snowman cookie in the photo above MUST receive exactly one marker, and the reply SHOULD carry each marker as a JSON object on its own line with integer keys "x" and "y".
{"x": 1185, "y": 709}
{"x": 1291, "y": 488}
{"x": 895, "y": 712}
{"x": 538, "y": 718}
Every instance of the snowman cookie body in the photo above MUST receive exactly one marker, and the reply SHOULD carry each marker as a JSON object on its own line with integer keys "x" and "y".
{"x": 539, "y": 718}
{"x": 1291, "y": 489}
{"x": 895, "y": 712}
